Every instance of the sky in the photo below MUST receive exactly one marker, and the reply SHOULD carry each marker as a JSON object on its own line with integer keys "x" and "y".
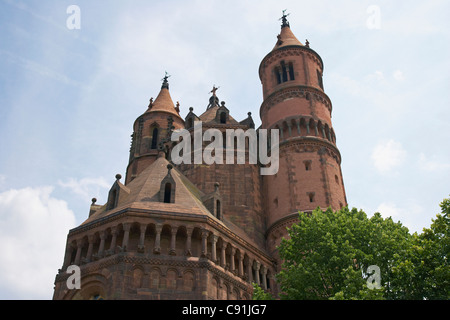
{"x": 73, "y": 82}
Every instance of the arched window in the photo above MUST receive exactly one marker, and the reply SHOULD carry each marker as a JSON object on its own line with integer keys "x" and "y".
{"x": 154, "y": 279}
{"x": 167, "y": 192}
{"x": 188, "y": 281}
{"x": 171, "y": 279}
{"x": 284, "y": 72}
{"x": 154, "y": 138}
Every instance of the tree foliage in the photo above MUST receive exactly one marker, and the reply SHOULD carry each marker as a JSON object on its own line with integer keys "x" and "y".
{"x": 260, "y": 294}
{"x": 328, "y": 254}
{"x": 425, "y": 272}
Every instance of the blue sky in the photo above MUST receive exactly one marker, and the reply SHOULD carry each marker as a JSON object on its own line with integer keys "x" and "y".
{"x": 68, "y": 99}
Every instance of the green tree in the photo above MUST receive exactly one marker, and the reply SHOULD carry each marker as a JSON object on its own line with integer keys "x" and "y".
{"x": 328, "y": 253}
{"x": 425, "y": 272}
{"x": 260, "y": 294}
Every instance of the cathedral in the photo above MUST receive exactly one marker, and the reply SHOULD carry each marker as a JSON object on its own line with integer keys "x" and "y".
{"x": 207, "y": 231}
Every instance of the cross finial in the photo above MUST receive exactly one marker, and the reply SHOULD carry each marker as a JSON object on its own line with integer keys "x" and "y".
{"x": 213, "y": 100}
{"x": 214, "y": 89}
{"x": 285, "y": 23}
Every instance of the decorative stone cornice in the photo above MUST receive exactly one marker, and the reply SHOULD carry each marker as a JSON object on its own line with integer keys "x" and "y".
{"x": 311, "y": 144}
{"x": 295, "y": 92}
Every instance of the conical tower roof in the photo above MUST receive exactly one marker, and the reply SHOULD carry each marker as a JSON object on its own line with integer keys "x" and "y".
{"x": 286, "y": 37}
{"x": 163, "y": 101}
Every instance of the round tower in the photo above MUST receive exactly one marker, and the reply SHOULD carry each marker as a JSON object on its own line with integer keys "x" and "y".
{"x": 151, "y": 131}
{"x": 295, "y": 103}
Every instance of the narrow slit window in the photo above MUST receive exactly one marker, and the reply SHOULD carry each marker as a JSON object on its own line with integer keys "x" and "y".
{"x": 224, "y": 140}
{"x": 283, "y": 70}
{"x": 167, "y": 192}
{"x": 218, "y": 216}
{"x": 307, "y": 165}
{"x": 311, "y": 197}
{"x": 112, "y": 201}
{"x": 223, "y": 117}
{"x": 278, "y": 75}
{"x": 319, "y": 78}
{"x": 291, "y": 71}
{"x": 154, "y": 138}
{"x": 189, "y": 123}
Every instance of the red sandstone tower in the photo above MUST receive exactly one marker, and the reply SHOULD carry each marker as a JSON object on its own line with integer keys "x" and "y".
{"x": 309, "y": 173}
{"x": 151, "y": 129}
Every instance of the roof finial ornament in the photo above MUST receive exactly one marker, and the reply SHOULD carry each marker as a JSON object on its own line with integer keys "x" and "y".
{"x": 151, "y": 103}
{"x": 169, "y": 168}
{"x": 165, "y": 82}
{"x": 213, "y": 100}
{"x": 214, "y": 89}
{"x": 285, "y": 23}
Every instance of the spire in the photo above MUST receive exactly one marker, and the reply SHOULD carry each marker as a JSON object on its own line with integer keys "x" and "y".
{"x": 163, "y": 101}
{"x": 286, "y": 37}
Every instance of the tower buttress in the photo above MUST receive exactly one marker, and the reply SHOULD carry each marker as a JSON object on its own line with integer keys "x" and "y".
{"x": 309, "y": 173}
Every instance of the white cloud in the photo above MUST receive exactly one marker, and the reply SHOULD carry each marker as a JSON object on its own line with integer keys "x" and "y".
{"x": 33, "y": 233}
{"x": 39, "y": 68}
{"x": 86, "y": 188}
{"x": 377, "y": 75}
{"x": 422, "y": 18}
{"x": 388, "y": 155}
{"x": 389, "y": 210}
{"x": 410, "y": 215}
{"x": 398, "y": 75}
{"x": 432, "y": 164}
